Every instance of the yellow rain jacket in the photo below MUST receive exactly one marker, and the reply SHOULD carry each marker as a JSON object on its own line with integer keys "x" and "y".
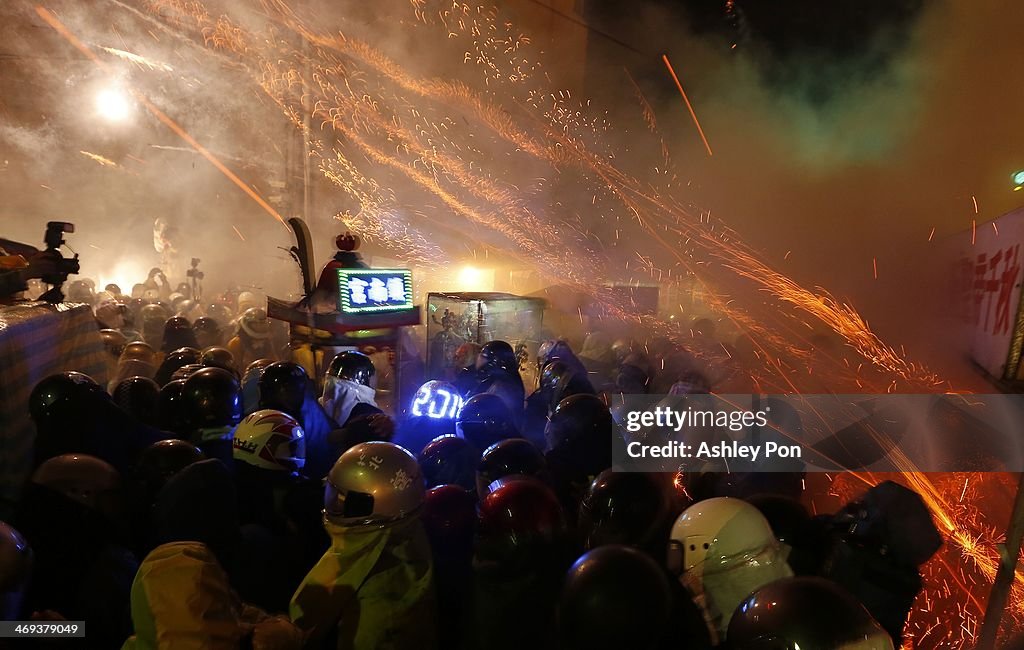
{"x": 181, "y": 600}
{"x": 374, "y": 585}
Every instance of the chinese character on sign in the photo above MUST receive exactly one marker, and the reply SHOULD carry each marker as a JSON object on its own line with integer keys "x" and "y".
{"x": 357, "y": 290}
{"x": 377, "y": 291}
{"x": 990, "y": 281}
{"x": 396, "y": 289}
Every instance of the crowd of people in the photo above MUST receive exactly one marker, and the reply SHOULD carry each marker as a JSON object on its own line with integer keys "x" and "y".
{"x": 214, "y": 495}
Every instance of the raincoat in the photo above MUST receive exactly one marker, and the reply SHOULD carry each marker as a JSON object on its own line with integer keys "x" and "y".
{"x": 181, "y": 599}
{"x": 373, "y": 586}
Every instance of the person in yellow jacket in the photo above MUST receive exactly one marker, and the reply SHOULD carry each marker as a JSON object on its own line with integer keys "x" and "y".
{"x": 181, "y": 600}
{"x": 373, "y": 588}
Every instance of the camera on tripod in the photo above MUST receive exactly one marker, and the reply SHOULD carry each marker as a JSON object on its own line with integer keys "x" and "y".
{"x": 64, "y": 266}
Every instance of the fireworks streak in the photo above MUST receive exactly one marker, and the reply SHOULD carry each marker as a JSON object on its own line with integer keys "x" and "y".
{"x": 689, "y": 106}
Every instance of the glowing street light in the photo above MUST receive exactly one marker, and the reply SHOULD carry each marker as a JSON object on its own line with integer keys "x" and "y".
{"x": 113, "y": 105}
{"x": 1018, "y": 180}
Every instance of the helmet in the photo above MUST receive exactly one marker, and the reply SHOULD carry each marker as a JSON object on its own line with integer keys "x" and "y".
{"x": 500, "y": 354}
{"x": 373, "y": 484}
{"x": 57, "y": 396}
{"x": 449, "y": 517}
{"x": 271, "y": 440}
{"x": 805, "y": 612}
{"x": 716, "y": 534}
{"x": 485, "y": 420}
{"x": 15, "y": 565}
{"x": 437, "y": 400}
{"x": 186, "y": 371}
{"x": 255, "y": 323}
{"x": 207, "y": 331}
{"x": 172, "y": 409}
{"x": 353, "y": 366}
{"x": 218, "y": 357}
{"x": 213, "y": 399}
{"x": 139, "y": 351}
{"x": 283, "y": 386}
{"x": 580, "y": 420}
{"x": 519, "y": 520}
{"x": 79, "y": 477}
{"x": 629, "y": 508}
{"x": 554, "y": 373}
{"x": 250, "y": 384}
{"x": 174, "y": 360}
{"x": 614, "y": 597}
{"x": 161, "y": 460}
{"x": 449, "y": 460}
{"x": 138, "y": 397}
{"x": 79, "y": 291}
{"x": 219, "y": 313}
{"x": 178, "y": 334}
{"x": 153, "y": 315}
{"x": 113, "y": 342}
{"x": 514, "y": 456}
{"x": 247, "y": 300}
{"x": 186, "y": 307}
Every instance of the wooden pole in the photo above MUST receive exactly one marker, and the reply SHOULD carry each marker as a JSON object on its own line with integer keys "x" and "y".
{"x": 1009, "y": 552}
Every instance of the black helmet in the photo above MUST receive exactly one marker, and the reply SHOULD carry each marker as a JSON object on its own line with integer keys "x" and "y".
{"x": 213, "y": 399}
{"x": 449, "y": 460}
{"x": 580, "y": 419}
{"x": 555, "y": 373}
{"x": 172, "y": 411}
{"x": 57, "y": 397}
{"x": 514, "y": 456}
{"x": 485, "y": 420}
{"x": 805, "y": 612}
{"x": 628, "y": 508}
{"x": 580, "y": 434}
{"x": 353, "y": 366}
{"x": 283, "y": 386}
{"x": 174, "y": 360}
{"x": 186, "y": 371}
{"x": 178, "y": 334}
{"x": 218, "y": 357}
{"x": 614, "y": 597}
{"x": 500, "y": 354}
{"x": 138, "y": 397}
{"x": 160, "y": 461}
{"x": 207, "y": 329}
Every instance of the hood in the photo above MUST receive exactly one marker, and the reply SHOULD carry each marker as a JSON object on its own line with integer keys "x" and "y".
{"x": 181, "y": 599}
{"x": 376, "y": 581}
{"x": 341, "y": 395}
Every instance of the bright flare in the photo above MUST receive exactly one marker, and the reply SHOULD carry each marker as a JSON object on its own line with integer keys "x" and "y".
{"x": 113, "y": 105}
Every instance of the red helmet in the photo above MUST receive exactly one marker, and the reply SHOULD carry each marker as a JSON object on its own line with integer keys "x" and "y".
{"x": 518, "y": 519}
{"x": 449, "y": 516}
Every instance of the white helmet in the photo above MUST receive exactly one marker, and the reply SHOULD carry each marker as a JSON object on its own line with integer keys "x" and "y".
{"x": 270, "y": 439}
{"x": 716, "y": 535}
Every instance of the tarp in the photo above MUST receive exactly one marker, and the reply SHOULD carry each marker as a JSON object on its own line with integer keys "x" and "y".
{"x": 38, "y": 339}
